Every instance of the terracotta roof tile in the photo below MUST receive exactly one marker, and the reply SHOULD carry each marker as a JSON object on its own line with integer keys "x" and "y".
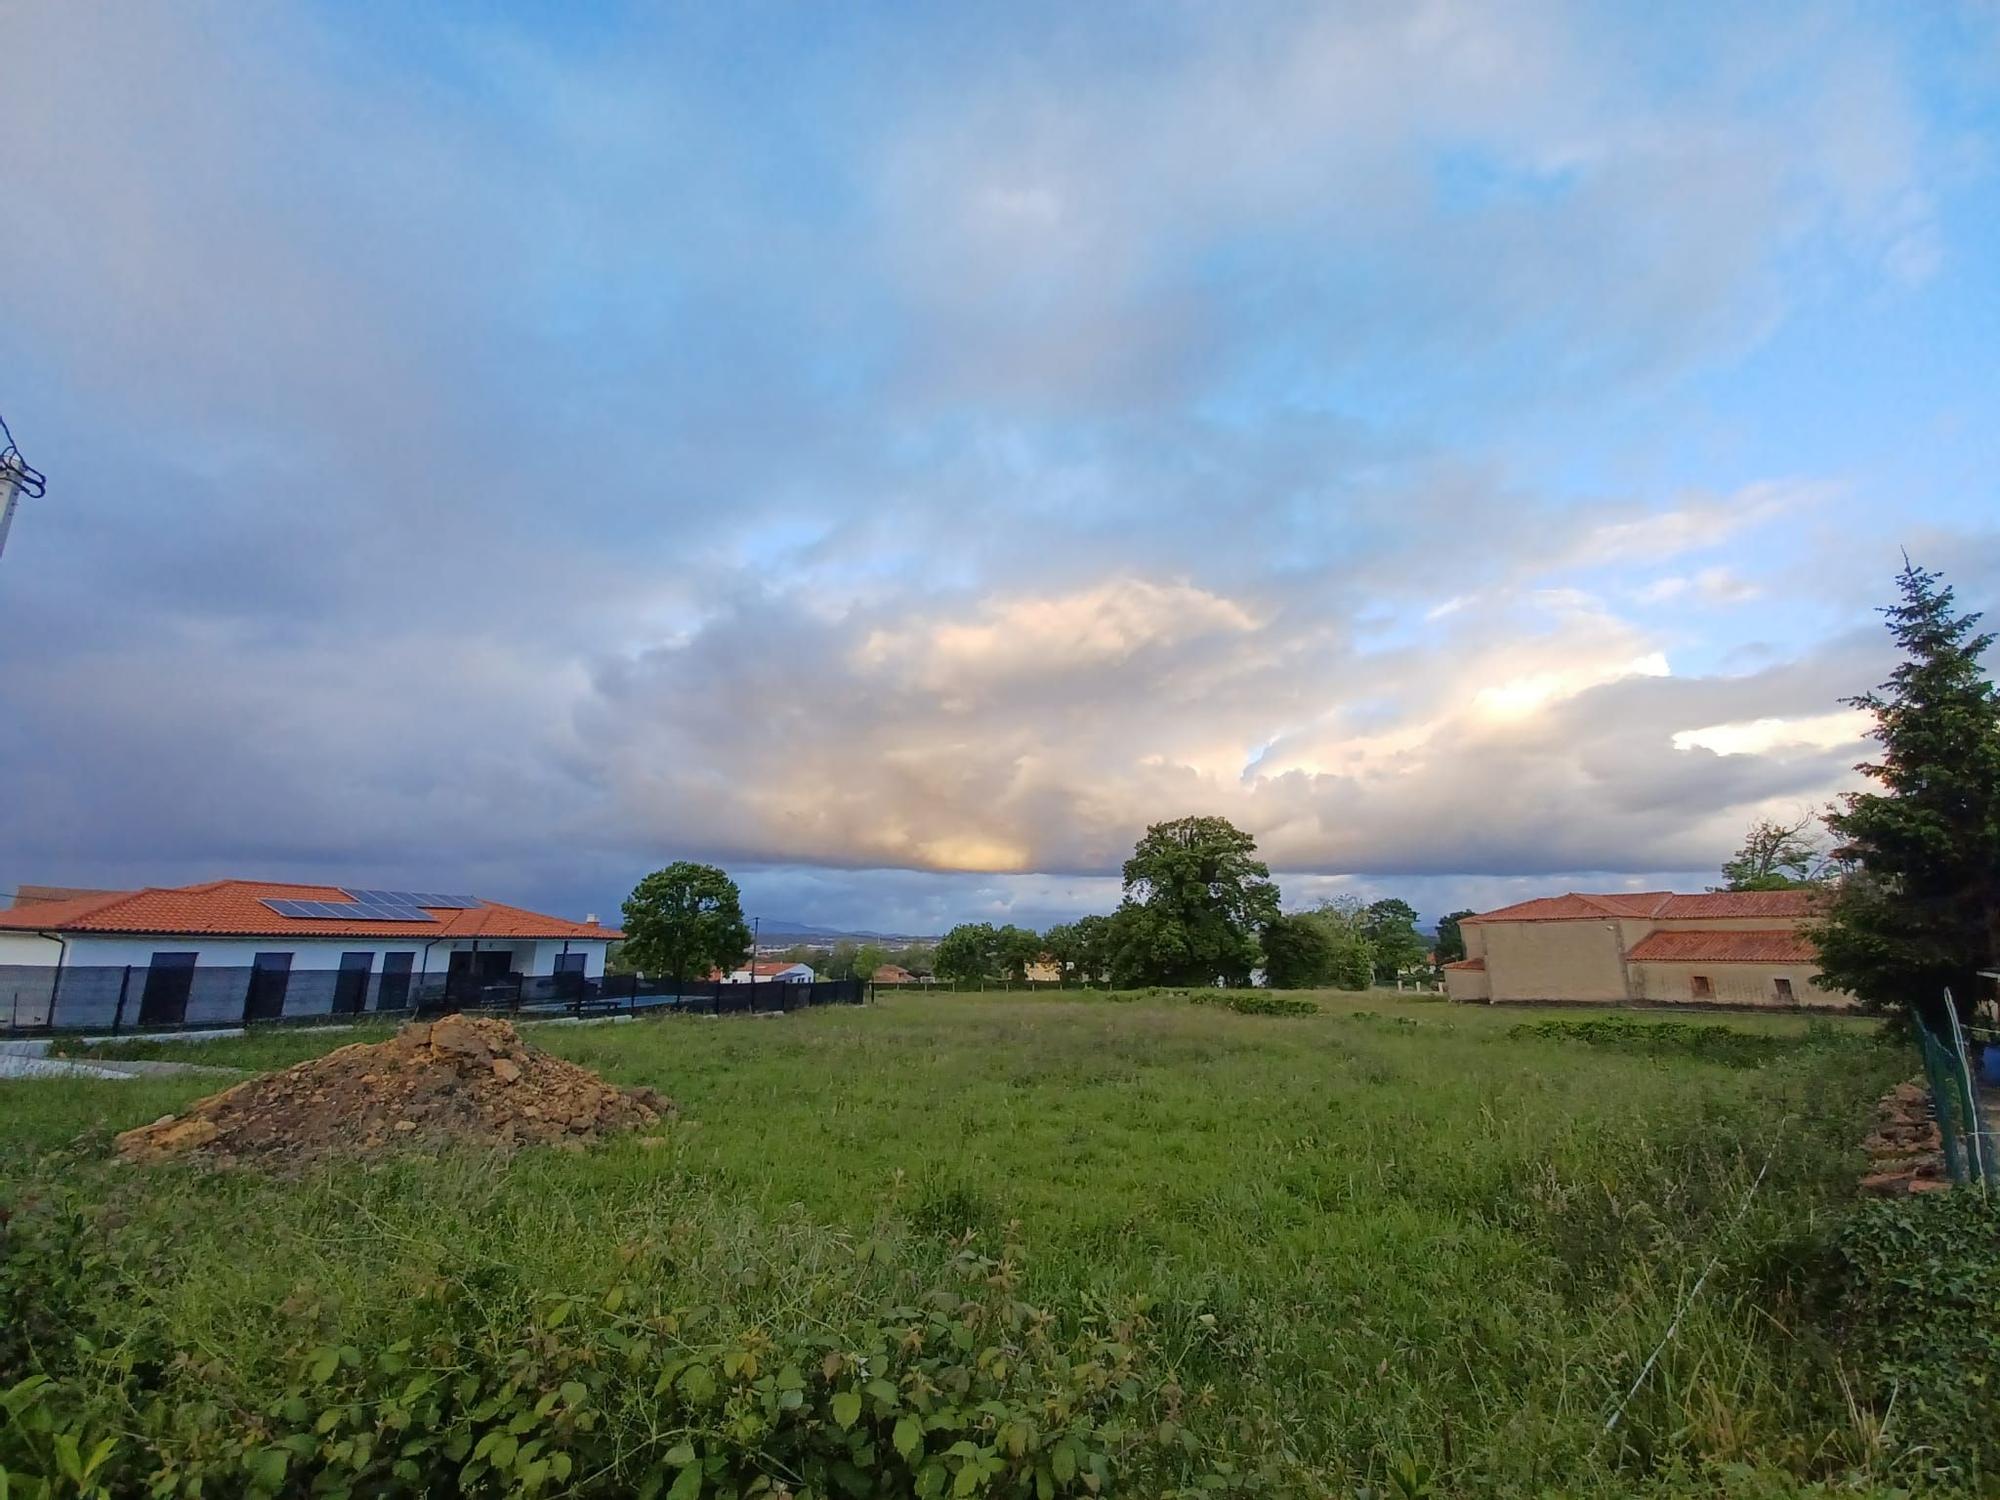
{"x": 1741, "y": 904}
{"x": 1756, "y": 946}
{"x": 235, "y": 908}
{"x": 1477, "y": 965}
{"x": 1577, "y": 907}
{"x": 1664, "y": 906}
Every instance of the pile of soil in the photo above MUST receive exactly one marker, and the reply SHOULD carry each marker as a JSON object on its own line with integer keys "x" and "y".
{"x": 455, "y": 1081}
{"x": 1905, "y": 1152}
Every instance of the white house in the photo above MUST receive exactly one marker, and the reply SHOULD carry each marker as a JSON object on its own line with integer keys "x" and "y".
{"x": 236, "y": 950}
{"x": 772, "y": 971}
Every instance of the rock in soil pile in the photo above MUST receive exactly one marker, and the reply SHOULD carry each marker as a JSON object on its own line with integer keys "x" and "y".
{"x": 1905, "y": 1152}
{"x": 455, "y": 1081}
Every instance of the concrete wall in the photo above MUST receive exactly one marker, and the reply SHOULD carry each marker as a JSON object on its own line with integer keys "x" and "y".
{"x": 1467, "y": 985}
{"x": 1733, "y": 984}
{"x": 1554, "y": 960}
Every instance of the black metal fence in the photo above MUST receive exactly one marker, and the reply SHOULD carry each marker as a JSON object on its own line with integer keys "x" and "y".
{"x": 114, "y": 998}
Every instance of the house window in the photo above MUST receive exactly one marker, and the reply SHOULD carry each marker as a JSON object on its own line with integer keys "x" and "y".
{"x": 270, "y": 977}
{"x": 569, "y": 963}
{"x": 350, "y": 986}
{"x": 1700, "y": 989}
{"x": 169, "y": 979}
{"x": 1784, "y": 989}
{"x": 394, "y": 991}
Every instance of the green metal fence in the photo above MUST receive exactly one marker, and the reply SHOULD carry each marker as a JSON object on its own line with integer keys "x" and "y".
{"x": 1965, "y": 1107}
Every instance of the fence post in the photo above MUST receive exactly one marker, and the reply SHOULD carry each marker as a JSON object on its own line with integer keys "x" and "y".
{"x": 117, "y": 1016}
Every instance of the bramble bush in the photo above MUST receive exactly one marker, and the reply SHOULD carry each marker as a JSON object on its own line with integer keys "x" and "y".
{"x": 1921, "y": 1311}
{"x": 486, "y": 1386}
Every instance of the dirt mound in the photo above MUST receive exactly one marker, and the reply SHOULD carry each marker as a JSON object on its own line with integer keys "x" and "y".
{"x": 457, "y": 1080}
{"x": 1905, "y": 1153}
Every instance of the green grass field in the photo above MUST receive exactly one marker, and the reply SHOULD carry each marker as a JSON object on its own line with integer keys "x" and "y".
{"x": 1397, "y": 1248}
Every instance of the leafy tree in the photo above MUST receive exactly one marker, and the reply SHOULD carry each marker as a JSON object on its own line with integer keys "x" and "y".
{"x": 1353, "y": 961}
{"x": 1451, "y": 939}
{"x": 1298, "y": 952}
{"x": 970, "y": 950}
{"x": 1014, "y": 948}
{"x": 868, "y": 958}
{"x": 1918, "y": 910}
{"x": 683, "y": 920}
{"x": 1391, "y": 926}
{"x": 1776, "y": 857}
{"x": 840, "y": 961}
{"x": 1083, "y": 948}
{"x": 1196, "y": 896}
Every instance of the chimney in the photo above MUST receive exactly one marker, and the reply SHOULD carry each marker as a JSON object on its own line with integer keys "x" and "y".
{"x": 590, "y": 920}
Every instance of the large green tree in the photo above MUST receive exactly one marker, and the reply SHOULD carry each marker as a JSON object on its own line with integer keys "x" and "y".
{"x": 970, "y": 950}
{"x": 1298, "y": 952}
{"x": 1353, "y": 963}
{"x": 1391, "y": 926}
{"x": 1917, "y": 910}
{"x": 1083, "y": 948}
{"x": 683, "y": 921}
{"x": 1450, "y": 945}
{"x": 1196, "y": 897}
{"x": 1776, "y": 857}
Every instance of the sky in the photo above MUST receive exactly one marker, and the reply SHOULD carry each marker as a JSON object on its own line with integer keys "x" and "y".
{"x": 899, "y": 452}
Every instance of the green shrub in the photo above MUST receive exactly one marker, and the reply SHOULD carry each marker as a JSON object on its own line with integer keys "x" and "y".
{"x": 1704, "y": 1041}
{"x": 489, "y": 1386}
{"x": 1254, "y": 1004}
{"x": 1921, "y": 1311}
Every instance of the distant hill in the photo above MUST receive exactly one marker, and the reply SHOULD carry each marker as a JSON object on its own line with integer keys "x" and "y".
{"x": 781, "y": 930}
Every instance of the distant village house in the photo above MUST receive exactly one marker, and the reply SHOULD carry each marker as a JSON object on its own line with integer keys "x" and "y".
{"x": 1724, "y": 948}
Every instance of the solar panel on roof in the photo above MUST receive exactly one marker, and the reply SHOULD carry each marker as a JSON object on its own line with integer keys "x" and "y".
{"x": 413, "y": 898}
{"x": 349, "y": 911}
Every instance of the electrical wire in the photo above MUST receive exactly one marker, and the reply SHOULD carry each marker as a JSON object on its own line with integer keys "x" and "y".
{"x": 1695, "y": 1291}
{"x": 31, "y": 481}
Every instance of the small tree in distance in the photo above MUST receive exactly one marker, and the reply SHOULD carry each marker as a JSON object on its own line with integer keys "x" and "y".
{"x": 1777, "y": 857}
{"x": 685, "y": 920}
{"x": 1451, "y": 937}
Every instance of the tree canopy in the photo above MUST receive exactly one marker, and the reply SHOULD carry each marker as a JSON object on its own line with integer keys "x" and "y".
{"x": 1391, "y": 928}
{"x": 1776, "y": 857}
{"x": 1917, "y": 908}
{"x": 1451, "y": 937}
{"x": 1299, "y": 952}
{"x": 685, "y": 920}
{"x": 1196, "y": 898}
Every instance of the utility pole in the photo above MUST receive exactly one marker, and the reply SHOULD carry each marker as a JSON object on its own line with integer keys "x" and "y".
{"x": 17, "y": 478}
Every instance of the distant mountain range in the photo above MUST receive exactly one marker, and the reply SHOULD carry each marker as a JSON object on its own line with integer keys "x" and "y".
{"x": 780, "y": 930}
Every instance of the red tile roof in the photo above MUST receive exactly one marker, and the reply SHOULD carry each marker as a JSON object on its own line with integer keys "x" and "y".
{"x": 1478, "y": 964}
{"x": 1740, "y": 904}
{"x": 1777, "y": 945}
{"x": 1662, "y": 906}
{"x": 235, "y": 908}
{"x": 1576, "y": 907}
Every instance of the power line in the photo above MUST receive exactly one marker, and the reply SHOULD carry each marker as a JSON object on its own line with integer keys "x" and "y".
{"x": 18, "y": 477}
{"x": 33, "y": 483}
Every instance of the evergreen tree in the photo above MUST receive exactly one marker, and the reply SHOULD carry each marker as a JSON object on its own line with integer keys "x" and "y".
{"x": 1917, "y": 911}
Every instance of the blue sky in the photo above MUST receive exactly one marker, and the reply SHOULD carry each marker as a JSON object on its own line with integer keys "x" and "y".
{"x": 900, "y": 452}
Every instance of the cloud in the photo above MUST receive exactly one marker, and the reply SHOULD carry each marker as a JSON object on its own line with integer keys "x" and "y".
{"x": 522, "y": 450}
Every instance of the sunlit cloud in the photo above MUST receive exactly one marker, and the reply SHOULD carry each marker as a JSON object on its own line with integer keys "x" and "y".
{"x": 501, "y": 450}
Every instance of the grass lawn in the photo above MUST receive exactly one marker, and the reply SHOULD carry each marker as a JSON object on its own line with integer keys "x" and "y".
{"x": 1396, "y": 1248}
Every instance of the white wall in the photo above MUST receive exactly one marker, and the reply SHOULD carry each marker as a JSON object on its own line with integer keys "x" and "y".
{"x": 95, "y": 976}
{"x": 323, "y": 953}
